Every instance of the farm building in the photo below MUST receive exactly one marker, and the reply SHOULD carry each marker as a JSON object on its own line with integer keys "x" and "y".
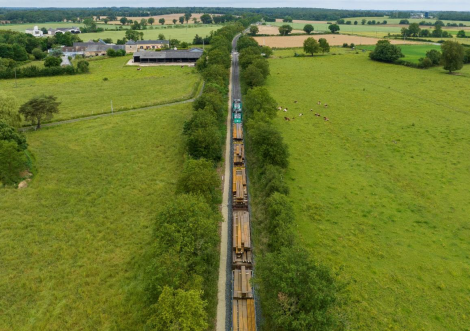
{"x": 191, "y": 55}
{"x": 35, "y": 32}
{"x": 52, "y": 32}
{"x": 90, "y": 48}
{"x": 133, "y": 46}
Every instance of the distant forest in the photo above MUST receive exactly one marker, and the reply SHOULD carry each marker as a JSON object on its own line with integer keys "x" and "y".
{"x": 42, "y": 15}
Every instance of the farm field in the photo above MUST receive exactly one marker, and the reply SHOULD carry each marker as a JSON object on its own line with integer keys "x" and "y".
{"x": 181, "y": 33}
{"x": 357, "y": 29}
{"x": 168, "y": 18}
{"x": 23, "y": 27}
{"x": 412, "y": 52}
{"x": 333, "y": 40}
{"x": 396, "y": 21}
{"x": 71, "y": 242}
{"x": 381, "y": 190}
{"x": 87, "y": 94}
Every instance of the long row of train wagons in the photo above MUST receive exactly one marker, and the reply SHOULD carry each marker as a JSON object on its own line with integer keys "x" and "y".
{"x": 243, "y": 303}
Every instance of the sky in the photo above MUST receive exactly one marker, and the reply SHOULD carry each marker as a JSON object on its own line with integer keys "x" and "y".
{"x": 422, "y": 5}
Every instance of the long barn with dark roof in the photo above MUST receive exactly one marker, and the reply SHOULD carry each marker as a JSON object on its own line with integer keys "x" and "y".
{"x": 168, "y": 56}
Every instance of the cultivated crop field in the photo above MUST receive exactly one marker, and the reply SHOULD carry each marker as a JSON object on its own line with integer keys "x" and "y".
{"x": 87, "y": 94}
{"x": 381, "y": 190}
{"x": 71, "y": 243}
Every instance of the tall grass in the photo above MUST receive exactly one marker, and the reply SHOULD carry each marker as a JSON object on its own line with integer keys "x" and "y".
{"x": 70, "y": 244}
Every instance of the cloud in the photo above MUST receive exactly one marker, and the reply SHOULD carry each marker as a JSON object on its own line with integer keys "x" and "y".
{"x": 422, "y": 5}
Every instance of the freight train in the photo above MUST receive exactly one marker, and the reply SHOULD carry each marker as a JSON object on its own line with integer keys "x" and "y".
{"x": 243, "y": 303}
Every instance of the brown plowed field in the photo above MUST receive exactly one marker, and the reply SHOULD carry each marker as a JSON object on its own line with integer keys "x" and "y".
{"x": 333, "y": 40}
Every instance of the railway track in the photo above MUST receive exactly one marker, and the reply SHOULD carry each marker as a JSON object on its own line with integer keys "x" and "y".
{"x": 242, "y": 315}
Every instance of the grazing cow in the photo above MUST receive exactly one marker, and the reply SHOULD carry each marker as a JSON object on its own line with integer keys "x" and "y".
{"x": 279, "y": 108}
{"x": 326, "y": 118}
{"x": 138, "y": 69}
{"x": 319, "y": 103}
{"x": 317, "y": 114}
{"x": 287, "y": 118}
{"x": 300, "y": 114}
{"x": 295, "y": 101}
{"x": 311, "y": 109}
{"x": 326, "y": 106}
{"x": 285, "y": 109}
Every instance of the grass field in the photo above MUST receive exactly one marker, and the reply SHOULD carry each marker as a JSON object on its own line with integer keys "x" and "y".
{"x": 88, "y": 94}
{"x": 412, "y": 52}
{"x": 378, "y": 31}
{"x": 181, "y": 32}
{"x": 381, "y": 190}
{"x": 70, "y": 244}
{"x": 169, "y": 31}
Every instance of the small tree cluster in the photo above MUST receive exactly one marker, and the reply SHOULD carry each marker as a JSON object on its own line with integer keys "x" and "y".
{"x": 386, "y": 52}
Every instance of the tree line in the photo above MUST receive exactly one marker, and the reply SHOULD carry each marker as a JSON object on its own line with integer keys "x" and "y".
{"x": 182, "y": 264}
{"x": 295, "y": 291}
{"x": 35, "y": 15}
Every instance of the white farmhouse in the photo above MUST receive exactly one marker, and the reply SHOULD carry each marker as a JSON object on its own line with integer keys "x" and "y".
{"x": 35, "y": 32}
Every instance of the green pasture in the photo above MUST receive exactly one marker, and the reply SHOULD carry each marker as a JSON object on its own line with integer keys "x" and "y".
{"x": 412, "y": 52}
{"x": 381, "y": 190}
{"x": 185, "y": 32}
{"x": 22, "y": 27}
{"x": 181, "y": 33}
{"x": 89, "y": 94}
{"x": 71, "y": 243}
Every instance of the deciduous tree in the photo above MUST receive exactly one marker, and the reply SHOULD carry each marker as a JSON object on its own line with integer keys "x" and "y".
{"x": 333, "y": 28}
{"x": 452, "y": 55}
{"x": 386, "y": 52}
{"x": 161, "y": 21}
{"x": 324, "y": 45}
{"x": 151, "y": 20}
{"x": 254, "y": 30}
{"x": 40, "y": 108}
{"x": 284, "y": 30}
{"x": 311, "y": 46}
{"x": 308, "y": 28}
{"x": 52, "y": 61}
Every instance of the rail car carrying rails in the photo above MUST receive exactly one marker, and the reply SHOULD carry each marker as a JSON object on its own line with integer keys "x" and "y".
{"x": 243, "y": 302}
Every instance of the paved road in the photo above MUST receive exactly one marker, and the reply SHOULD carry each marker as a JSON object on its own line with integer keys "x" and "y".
{"x": 87, "y": 118}
{"x": 225, "y": 270}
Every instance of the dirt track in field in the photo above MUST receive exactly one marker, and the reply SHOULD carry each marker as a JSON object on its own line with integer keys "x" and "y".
{"x": 333, "y": 40}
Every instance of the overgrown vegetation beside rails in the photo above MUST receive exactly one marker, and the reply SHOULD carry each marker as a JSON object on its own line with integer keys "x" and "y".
{"x": 181, "y": 275}
{"x": 296, "y": 292}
